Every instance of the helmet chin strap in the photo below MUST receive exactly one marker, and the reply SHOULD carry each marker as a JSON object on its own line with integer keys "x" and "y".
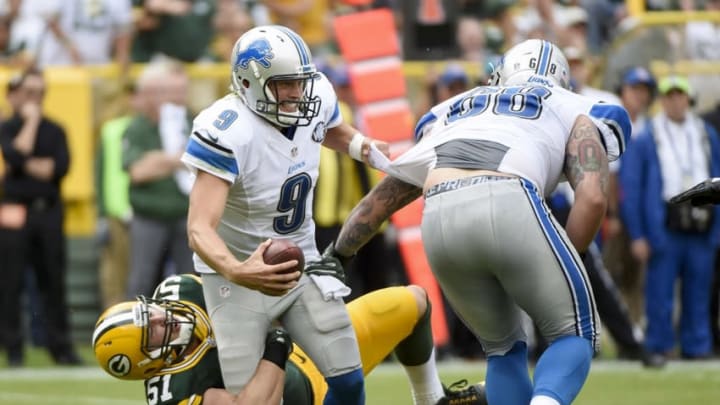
{"x": 288, "y": 118}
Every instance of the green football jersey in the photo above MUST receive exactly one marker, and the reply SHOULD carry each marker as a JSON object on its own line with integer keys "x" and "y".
{"x": 186, "y": 383}
{"x": 189, "y": 383}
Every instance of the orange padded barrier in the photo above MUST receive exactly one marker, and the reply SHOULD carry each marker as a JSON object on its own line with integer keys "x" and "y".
{"x": 413, "y": 255}
{"x": 389, "y": 123}
{"x": 379, "y": 81}
{"x": 366, "y": 35}
{"x": 357, "y": 2}
{"x": 410, "y": 215}
{"x": 368, "y": 42}
{"x": 431, "y": 12}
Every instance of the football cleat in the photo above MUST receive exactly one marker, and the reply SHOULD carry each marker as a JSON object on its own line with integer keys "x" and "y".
{"x": 461, "y": 393}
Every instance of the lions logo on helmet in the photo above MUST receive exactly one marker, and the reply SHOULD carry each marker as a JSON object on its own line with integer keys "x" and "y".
{"x": 534, "y": 60}
{"x": 267, "y": 54}
{"x": 259, "y": 51}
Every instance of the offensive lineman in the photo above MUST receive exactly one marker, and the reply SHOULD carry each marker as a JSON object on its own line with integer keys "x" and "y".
{"x": 256, "y": 154}
{"x": 168, "y": 342}
{"x": 486, "y": 160}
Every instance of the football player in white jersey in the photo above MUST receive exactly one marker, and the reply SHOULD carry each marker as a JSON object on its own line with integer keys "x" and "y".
{"x": 485, "y": 160}
{"x": 256, "y": 153}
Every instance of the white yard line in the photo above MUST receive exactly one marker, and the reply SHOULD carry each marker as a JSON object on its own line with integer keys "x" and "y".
{"x": 60, "y": 399}
{"x": 53, "y": 373}
{"x": 452, "y": 366}
{"x": 599, "y": 366}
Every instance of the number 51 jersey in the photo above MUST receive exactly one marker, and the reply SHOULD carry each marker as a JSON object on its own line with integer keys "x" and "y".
{"x": 272, "y": 175}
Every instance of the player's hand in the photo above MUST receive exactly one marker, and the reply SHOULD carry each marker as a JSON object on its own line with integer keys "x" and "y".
{"x": 330, "y": 264}
{"x": 269, "y": 279}
{"x": 640, "y": 250}
{"x": 382, "y": 146}
{"x": 278, "y": 336}
{"x": 707, "y": 192}
{"x": 278, "y": 347}
{"x": 613, "y": 227}
{"x": 30, "y": 111}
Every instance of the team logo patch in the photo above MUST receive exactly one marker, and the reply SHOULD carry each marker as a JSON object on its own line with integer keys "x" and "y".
{"x": 224, "y": 291}
{"x": 259, "y": 50}
{"x": 318, "y": 134}
{"x": 119, "y": 365}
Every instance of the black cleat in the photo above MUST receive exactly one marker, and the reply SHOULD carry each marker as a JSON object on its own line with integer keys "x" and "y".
{"x": 461, "y": 393}
{"x": 67, "y": 358}
{"x": 654, "y": 360}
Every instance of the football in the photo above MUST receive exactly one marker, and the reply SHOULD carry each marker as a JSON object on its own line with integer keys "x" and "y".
{"x": 282, "y": 250}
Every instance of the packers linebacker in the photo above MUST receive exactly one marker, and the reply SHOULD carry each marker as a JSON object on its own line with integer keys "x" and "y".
{"x": 167, "y": 341}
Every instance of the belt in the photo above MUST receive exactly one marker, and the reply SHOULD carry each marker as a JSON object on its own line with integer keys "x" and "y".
{"x": 456, "y": 184}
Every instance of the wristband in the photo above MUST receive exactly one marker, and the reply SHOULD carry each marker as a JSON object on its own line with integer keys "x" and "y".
{"x": 277, "y": 353}
{"x": 355, "y": 147}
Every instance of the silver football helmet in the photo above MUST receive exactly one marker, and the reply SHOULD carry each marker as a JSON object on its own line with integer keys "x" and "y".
{"x": 265, "y": 55}
{"x": 534, "y": 60}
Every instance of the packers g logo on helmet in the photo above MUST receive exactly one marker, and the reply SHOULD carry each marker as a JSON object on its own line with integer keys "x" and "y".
{"x": 125, "y": 349}
{"x": 119, "y": 365}
{"x": 117, "y": 342}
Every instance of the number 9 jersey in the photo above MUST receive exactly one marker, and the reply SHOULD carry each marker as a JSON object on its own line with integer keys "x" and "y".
{"x": 272, "y": 173}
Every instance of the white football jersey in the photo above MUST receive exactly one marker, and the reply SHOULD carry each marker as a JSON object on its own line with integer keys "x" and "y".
{"x": 272, "y": 177}
{"x": 528, "y": 126}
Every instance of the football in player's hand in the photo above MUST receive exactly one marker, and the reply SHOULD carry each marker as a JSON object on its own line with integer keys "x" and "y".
{"x": 283, "y": 250}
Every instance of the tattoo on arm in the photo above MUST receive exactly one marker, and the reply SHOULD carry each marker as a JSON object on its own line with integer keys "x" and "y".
{"x": 366, "y": 218}
{"x": 586, "y": 155}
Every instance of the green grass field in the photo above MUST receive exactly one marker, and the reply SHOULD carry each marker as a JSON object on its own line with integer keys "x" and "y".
{"x": 610, "y": 382}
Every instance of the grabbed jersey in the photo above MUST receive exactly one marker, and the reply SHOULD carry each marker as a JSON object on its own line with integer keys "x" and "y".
{"x": 186, "y": 381}
{"x": 520, "y": 130}
{"x": 272, "y": 175}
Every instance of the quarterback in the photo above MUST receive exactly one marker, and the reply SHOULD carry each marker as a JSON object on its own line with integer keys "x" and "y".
{"x": 167, "y": 341}
{"x": 256, "y": 154}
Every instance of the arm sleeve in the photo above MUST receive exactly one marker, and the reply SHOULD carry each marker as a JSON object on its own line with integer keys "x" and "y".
{"x": 428, "y": 120}
{"x": 99, "y": 167}
{"x": 632, "y": 183}
{"x": 12, "y": 157}
{"x": 327, "y": 94}
{"x": 615, "y": 127}
{"x": 423, "y": 124}
{"x": 62, "y": 154}
{"x": 206, "y": 152}
{"x": 714, "y": 172}
{"x": 131, "y": 150}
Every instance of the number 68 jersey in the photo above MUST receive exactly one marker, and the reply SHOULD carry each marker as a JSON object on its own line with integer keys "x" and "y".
{"x": 272, "y": 175}
{"x": 520, "y": 130}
